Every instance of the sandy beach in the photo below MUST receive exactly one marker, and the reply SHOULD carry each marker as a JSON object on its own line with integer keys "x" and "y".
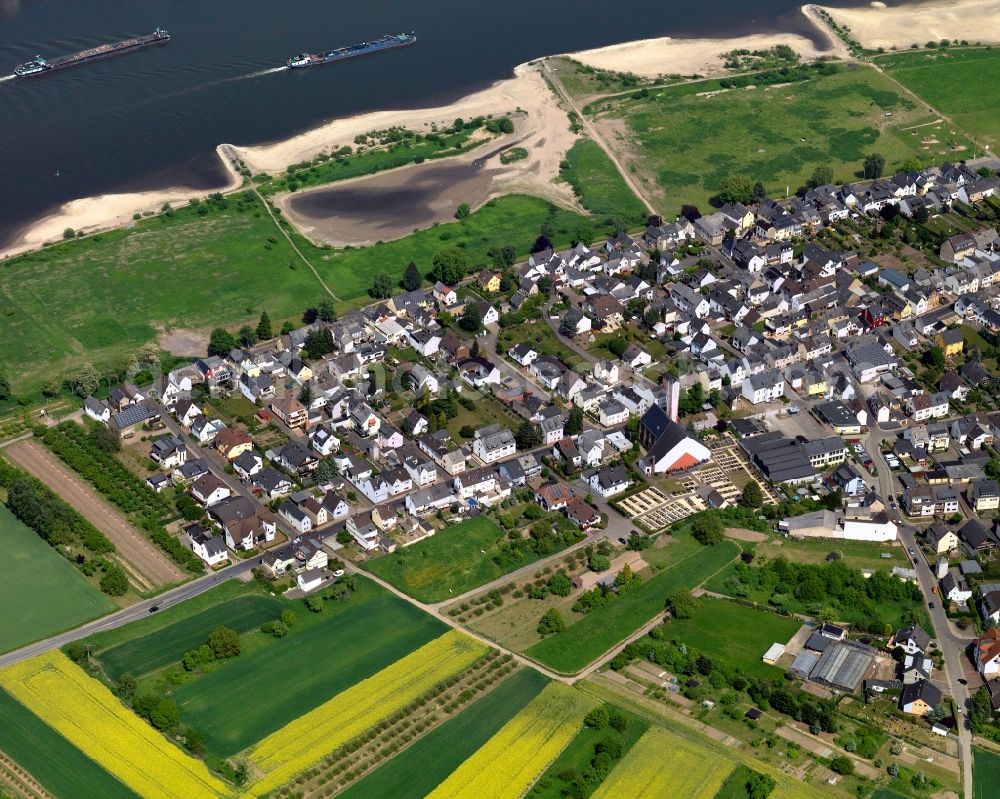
{"x": 918, "y": 23}
{"x": 651, "y": 58}
{"x": 106, "y": 211}
{"x": 544, "y": 127}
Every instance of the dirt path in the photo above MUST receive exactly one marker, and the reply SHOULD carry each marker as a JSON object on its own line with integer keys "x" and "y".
{"x": 134, "y": 547}
{"x": 592, "y": 132}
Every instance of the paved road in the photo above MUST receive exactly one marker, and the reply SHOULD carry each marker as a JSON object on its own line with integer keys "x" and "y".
{"x": 951, "y": 643}
{"x": 140, "y": 610}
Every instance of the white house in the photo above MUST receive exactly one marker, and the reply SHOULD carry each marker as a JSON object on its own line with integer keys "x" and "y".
{"x": 310, "y": 580}
{"x": 296, "y": 517}
{"x": 323, "y": 441}
{"x": 988, "y": 653}
{"x": 766, "y": 386}
{"x": 209, "y": 489}
{"x": 611, "y": 412}
{"x": 610, "y": 480}
{"x": 524, "y": 354}
{"x": 493, "y": 443}
{"x": 210, "y": 548}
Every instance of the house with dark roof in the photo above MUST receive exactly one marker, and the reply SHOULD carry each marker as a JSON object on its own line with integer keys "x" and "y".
{"x": 920, "y": 698}
{"x": 669, "y": 448}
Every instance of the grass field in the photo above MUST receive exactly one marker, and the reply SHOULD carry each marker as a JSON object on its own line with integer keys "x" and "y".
{"x": 90, "y": 717}
{"x": 511, "y": 219}
{"x": 87, "y": 300}
{"x": 61, "y": 768}
{"x": 964, "y": 84}
{"x": 448, "y": 563}
{"x": 148, "y": 653}
{"x": 682, "y": 145}
{"x": 100, "y": 298}
{"x": 734, "y": 633}
{"x": 599, "y": 184}
{"x": 35, "y": 570}
{"x": 598, "y": 631}
{"x": 351, "y": 641}
{"x": 861, "y": 554}
{"x": 416, "y": 771}
{"x": 985, "y": 774}
{"x": 641, "y": 773}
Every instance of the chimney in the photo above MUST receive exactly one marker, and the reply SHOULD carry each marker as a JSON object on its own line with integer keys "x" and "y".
{"x": 673, "y": 398}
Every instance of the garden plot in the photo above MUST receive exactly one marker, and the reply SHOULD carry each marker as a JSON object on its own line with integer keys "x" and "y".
{"x": 643, "y": 502}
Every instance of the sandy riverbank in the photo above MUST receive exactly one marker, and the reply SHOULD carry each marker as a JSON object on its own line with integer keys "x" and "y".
{"x": 545, "y": 124}
{"x": 106, "y": 211}
{"x": 918, "y": 23}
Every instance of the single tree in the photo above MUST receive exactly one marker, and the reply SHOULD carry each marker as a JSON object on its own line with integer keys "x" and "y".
{"x": 194, "y": 741}
{"x": 221, "y": 342}
{"x": 574, "y": 423}
{"x": 752, "y": 496}
{"x": 529, "y": 435}
{"x": 471, "y": 318}
{"x": 286, "y": 328}
{"x": 114, "y": 581}
{"x": 4, "y": 388}
{"x": 225, "y": 643}
{"x": 736, "y": 189}
{"x": 449, "y": 266}
{"x": 707, "y": 529}
{"x": 759, "y": 192}
{"x": 760, "y": 786}
{"x": 264, "y": 331}
{"x": 873, "y": 166}
{"x": 412, "y": 279}
{"x": 247, "y": 336}
{"x": 87, "y": 381}
{"x": 842, "y": 765}
{"x": 599, "y": 563}
{"x": 543, "y": 242}
{"x": 690, "y": 212}
{"x": 462, "y": 211}
{"x": 681, "y": 604}
{"x": 326, "y": 312}
{"x": 934, "y": 357}
{"x": 551, "y": 622}
{"x": 821, "y": 175}
{"x": 382, "y": 286}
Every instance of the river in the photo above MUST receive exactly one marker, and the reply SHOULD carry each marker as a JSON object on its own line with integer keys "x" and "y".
{"x": 152, "y": 118}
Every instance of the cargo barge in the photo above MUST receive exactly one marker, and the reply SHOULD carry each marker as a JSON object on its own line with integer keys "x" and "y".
{"x": 40, "y": 66}
{"x": 389, "y": 42}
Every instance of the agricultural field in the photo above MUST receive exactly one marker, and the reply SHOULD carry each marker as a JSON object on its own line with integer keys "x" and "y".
{"x": 61, "y": 768}
{"x": 735, "y": 633}
{"x": 594, "y": 634}
{"x": 964, "y": 84}
{"x": 642, "y": 774}
{"x": 985, "y": 773}
{"x": 775, "y": 134}
{"x": 420, "y": 768}
{"x": 91, "y": 718}
{"x": 449, "y": 563}
{"x": 860, "y": 554}
{"x": 599, "y": 185}
{"x": 148, "y": 653}
{"x": 36, "y": 570}
{"x": 310, "y": 737}
{"x": 507, "y": 765}
{"x": 367, "y": 633}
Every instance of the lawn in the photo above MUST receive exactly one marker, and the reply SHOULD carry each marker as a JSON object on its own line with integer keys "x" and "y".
{"x": 416, "y": 771}
{"x": 265, "y": 689}
{"x": 540, "y": 335}
{"x": 60, "y": 767}
{"x": 985, "y": 774}
{"x": 595, "y": 633}
{"x": 735, "y": 633}
{"x": 35, "y": 570}
{"x": 861, "y": 554}
{"x": 148, "y": 653}
{"x": 100, "y": 298}
{"x": 683, "y": 141}
{"x": 599, "y": 185}
{"x": 964, "y": 84}
{"x": 451, "y": 562}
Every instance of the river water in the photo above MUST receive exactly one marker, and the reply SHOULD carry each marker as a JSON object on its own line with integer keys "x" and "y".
{"x": 152, "y": 118}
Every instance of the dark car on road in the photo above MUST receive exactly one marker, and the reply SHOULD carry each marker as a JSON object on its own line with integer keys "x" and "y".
{"x": 154, "y": 608}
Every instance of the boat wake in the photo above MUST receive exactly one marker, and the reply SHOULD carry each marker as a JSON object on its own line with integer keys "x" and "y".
{"x": 5, "y": 78}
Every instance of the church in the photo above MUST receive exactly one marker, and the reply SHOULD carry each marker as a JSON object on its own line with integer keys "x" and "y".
{"x": 669, "y": 448}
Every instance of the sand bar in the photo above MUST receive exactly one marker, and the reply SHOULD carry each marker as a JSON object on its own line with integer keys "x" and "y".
{"x": 918, "y": 23}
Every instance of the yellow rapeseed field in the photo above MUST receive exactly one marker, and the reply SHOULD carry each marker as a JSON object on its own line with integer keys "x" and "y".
{"x": 507, "y": 764}
{"x": 88, "y": 715}
{"x": 308, "y": 739}
{"x": 661, "y": 764}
